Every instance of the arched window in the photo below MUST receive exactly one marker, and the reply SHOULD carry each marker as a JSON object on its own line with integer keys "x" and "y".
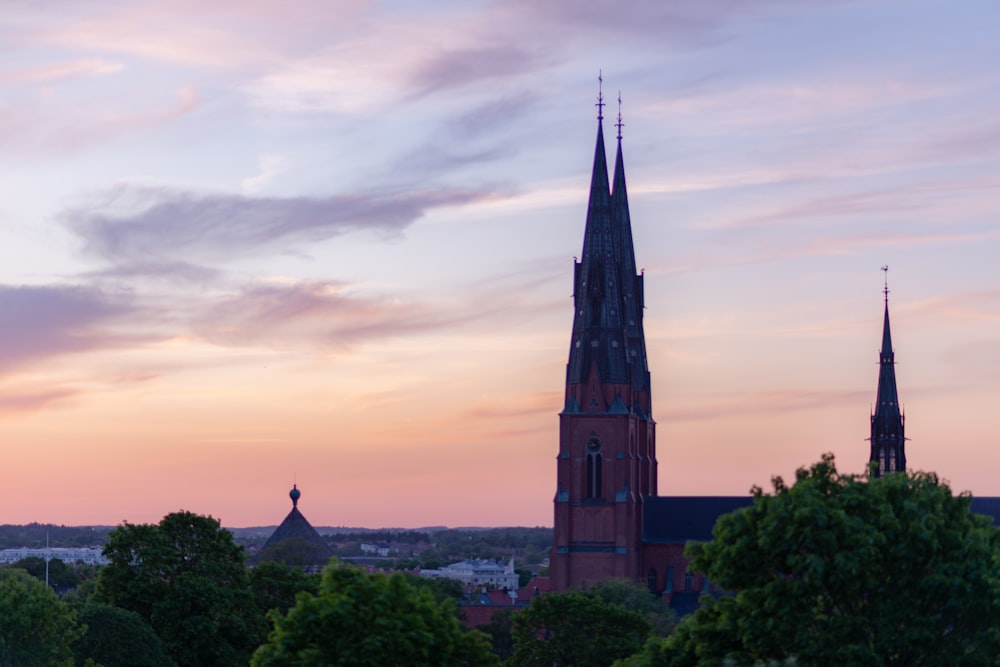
{"x": 651, "y": 580}
{"x": 594, "y": 466}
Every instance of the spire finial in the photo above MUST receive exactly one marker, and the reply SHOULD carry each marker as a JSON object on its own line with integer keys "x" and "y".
{"x": 620, "y": 124}
{"x": 600, "y": 95}
{"x": 885, "y": 288}
{"x": 294, "y": 494}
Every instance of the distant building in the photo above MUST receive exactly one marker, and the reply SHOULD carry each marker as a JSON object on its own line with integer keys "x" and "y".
{"x": 295, "y": 541}
{"x": 382, "y": 550}
{"x": 478, "y": 607}
{"x": 478, "y": 573}
{"x": 86, "y": 555}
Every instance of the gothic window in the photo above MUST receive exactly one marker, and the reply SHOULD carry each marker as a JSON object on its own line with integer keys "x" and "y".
{"x": 651, "y": 580}
{"x": 892, "y": 460}
{"x": 688, "y": 581}
{"x": 594, "y": 465}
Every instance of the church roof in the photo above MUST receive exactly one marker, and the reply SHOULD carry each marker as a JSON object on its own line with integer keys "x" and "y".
{"x": 678, "y": 519}
{"x": 297, "y": 529}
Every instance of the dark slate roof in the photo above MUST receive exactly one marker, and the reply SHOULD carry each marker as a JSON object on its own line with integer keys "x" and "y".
{"x": 677, "y": 519}
{"x": 297, "y": 528}
{"x": 988, "y": 506}
{"x": 685, "y": 603}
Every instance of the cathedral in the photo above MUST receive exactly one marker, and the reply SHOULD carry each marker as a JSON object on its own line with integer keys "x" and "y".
{"x": 609, "y": 521}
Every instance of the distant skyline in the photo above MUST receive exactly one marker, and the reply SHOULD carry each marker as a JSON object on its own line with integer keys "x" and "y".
{"x": 245, "y": 245}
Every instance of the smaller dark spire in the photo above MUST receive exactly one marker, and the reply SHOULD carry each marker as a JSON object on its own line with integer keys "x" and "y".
{"x": 294, "y": 495}
{"x": 888, "y": 441}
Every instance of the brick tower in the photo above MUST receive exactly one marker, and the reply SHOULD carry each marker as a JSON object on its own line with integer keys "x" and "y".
{"x": 606, "y": 465}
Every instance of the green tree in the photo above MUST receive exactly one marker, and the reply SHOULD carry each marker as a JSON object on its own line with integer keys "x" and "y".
{"x": 36, "y": 628}
{"x": 501, "y": 632}
{"x": 61, "y": 575}
{"x": 576, "y": 628}
{"x": 840, "y": 570}
{"x": 362, "y": 620}
{"x": 186, "y": 577}
{"x": 274, "y": 585}
{"x": 116, "y": 637}
{"x": 636, "y": 597}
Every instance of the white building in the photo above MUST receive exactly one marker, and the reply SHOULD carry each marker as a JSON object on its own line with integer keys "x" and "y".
{"x": 86, "y": 555}
{"x": 478, "y": 572}
{"x": 382, "y": 550}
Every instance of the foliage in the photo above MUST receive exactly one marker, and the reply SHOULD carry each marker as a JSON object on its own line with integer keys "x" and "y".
{"x": 637, "y": 598}
{"x": 358, "y": 619}
{"x": 186, "y": 578}
{"x": 838, "y": 570}
{"x": 440, "y": 588}
{"x": 274, "y": 586}
{"x": 576, "y": 628}
{"x": 36, "y": 629}
{"x": 61, "y": 575}
{"x": 500, "y": 630}
{"x": 116, "y": 637}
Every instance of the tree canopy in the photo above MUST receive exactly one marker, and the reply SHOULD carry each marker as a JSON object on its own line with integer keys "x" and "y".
{"x": 36, "y": 628}
{"x": 370, "y": 620}
{"x": 578, "y": 628}
{"x": 116, "y": 637}
{"x": 186, "y": 577}
{"x": 842, "y": 570}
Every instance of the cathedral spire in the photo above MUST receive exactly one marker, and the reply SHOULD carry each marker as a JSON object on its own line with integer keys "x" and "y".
{"x": 887, "y": 438}
{"x": 631, "y": 282}
{"x": 598, "y": 335}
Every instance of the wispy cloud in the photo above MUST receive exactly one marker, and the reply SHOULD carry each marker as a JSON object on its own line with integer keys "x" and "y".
{"x": 37, "y": 322}
{"x": 134, "y": 225}
{"x": 66, "y": 69}
{"x": 17, "y": 401}
{"x": 459, "y": 67}
{"x": 324, "y": 314}
{"x": 768, "y": 402}
{"x": 44, "y": 127}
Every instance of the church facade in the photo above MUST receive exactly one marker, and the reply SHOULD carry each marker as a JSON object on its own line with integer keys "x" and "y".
{"x": 609, "y": 520}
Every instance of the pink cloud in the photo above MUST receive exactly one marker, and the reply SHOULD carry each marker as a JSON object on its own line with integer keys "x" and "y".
{"x": 43, "y": 127}
{"x": 62, "y": 70}
{"x": 767, "y": 402}
{"x": 41, "y": 322}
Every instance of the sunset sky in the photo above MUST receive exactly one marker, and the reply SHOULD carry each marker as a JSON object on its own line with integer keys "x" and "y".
{"x": 250, "y": 244}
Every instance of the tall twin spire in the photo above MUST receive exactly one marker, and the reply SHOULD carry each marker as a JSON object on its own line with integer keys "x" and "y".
{"x": 607, "y": 325}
